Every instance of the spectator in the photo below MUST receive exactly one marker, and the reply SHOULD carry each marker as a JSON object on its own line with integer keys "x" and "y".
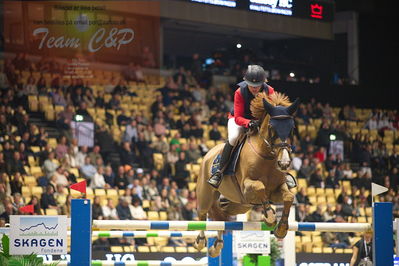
{"x": 124, "y": 210}
{"x": 97, "y": 211}
{"x": 9, "y": 210}
{"x": 98, "y": 180}
{"x": 47, "y": 200}
{"x": 120, "y": 180}
{"x": 109, "y": 176}
{"x": 88, "y": 170}
{"x": 137, "y": 211}
{"x": 316, "y": 179}
{"x": 16, "y": 184}
{"x": 37, "y": 209}
{"x": 50, "y": 166}
{"x": 109, "y": 210}
{"x": 214, "y": 133}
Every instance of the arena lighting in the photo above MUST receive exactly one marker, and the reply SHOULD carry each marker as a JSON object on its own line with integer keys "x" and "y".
{"x": 333, "y": 137}
{"x": 292, "y": 74}
{"x": 238, "y": 45}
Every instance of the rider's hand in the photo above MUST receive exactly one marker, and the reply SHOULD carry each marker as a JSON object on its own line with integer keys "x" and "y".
{"x": 253, "y": 124}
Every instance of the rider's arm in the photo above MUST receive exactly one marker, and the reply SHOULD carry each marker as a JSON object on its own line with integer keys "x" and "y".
{"x": 239, "y": 110}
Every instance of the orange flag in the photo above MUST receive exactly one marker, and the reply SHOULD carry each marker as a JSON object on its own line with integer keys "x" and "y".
{"x": 81, "y": 186}
{"x": 27, "y": 209}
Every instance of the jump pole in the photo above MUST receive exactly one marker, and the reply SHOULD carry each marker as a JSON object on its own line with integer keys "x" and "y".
{"x": 81, "y": 230}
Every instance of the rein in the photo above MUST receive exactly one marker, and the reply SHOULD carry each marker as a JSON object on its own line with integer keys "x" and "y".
{"x": 266, "y": 157}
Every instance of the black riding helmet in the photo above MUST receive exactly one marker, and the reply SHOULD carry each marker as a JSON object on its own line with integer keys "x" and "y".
{"x": 255, "y": 76}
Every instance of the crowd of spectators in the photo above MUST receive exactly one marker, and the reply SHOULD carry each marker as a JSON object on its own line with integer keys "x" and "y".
{"x": 181, "y": 110}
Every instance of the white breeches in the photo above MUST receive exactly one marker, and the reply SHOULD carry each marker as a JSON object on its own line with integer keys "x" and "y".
{"x": 233, "y": 131}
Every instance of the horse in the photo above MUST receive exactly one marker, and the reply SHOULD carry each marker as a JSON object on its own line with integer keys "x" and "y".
{"x": 259, "y": 177}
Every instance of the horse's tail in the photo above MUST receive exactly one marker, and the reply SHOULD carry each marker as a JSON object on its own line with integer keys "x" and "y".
{"x": 216, "y": 213}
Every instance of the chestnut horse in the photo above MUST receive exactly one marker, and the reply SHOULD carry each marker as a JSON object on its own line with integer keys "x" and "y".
{"x": 259, "y": 175}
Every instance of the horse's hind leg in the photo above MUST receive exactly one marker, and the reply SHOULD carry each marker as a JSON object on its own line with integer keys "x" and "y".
{"x": 288, "y": 198}
{"x": 204, "y": 205}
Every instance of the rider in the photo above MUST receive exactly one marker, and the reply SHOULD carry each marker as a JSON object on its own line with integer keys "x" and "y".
{"x": 241, "y": 117}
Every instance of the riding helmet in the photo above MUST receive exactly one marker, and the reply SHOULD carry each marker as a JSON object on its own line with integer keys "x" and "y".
{"x": 255, "y": 76}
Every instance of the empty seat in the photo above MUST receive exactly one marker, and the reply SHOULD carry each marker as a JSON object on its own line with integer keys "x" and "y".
{"x": 51, "y": 211}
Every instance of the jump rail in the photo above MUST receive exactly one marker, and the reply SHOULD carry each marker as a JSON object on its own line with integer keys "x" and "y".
{"x": 138, "y": 263}
{"x": 136, "y": 234}
{"x": 236, "y": 226}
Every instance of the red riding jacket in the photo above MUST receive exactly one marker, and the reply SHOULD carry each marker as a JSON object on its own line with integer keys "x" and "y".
{"x": 242, "y": 99}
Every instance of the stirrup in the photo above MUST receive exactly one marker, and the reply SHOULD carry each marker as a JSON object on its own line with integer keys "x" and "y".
{"x": 216, "y": 179}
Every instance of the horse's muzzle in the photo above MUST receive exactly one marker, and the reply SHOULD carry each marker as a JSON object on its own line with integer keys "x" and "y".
{"x": 283, "y": 165}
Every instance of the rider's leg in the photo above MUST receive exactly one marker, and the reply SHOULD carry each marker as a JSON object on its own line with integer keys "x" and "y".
{"x": 234, "y": 131}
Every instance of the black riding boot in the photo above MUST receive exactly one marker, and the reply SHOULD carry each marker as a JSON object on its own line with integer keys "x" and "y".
{"x": 216, "y": 178}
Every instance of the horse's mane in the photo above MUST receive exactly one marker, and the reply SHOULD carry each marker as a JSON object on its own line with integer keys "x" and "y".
{"x": 277, "y": 98}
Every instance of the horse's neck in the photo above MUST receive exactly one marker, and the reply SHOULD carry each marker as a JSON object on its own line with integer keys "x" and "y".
{"x": 259, "y": 139}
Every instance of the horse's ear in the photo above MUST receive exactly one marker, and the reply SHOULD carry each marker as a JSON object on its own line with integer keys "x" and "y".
{"x": 268, "y": 107}
{"x": 292, "y": 108}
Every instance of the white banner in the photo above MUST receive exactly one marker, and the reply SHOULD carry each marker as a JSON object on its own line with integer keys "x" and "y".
{"x": 252, "y": 242}
{"x": 39, "y": 234}
{"x": 84, "y": 133}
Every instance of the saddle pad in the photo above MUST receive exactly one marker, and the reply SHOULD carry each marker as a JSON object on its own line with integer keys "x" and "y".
{"x": 231, "y": 167}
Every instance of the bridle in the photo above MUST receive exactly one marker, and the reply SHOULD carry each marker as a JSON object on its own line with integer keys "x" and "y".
{"x": 281, "y": 145}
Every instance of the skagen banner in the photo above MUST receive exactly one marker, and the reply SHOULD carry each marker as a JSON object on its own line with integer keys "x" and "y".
{"x": 39, "y": 234}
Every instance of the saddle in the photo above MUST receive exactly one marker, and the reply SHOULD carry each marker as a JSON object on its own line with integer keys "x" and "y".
{"x": 234, "y": 158}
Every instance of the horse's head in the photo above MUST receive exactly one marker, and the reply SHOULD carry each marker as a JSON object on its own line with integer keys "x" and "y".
{"x": 279, "y": 130}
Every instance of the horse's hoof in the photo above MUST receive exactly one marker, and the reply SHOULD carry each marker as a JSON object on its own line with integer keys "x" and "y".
{"x": 200, "y": 243}
{"x": 270, "y": 217}
{"x": 217, "y": 246}
{"x": 281, "y": 230}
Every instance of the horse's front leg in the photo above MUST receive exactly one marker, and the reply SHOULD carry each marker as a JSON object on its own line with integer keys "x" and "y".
{"x": 288, "y": 197}
{"x": 217, "y": 246}
{"x": 201, "y": 242}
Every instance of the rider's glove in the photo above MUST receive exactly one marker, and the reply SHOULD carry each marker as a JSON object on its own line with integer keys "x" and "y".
{"x": 253, "y": 124}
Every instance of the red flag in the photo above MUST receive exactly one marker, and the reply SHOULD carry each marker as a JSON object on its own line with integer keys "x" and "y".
{"x": 81, "y": 186}
{"x": 27, "y": 209}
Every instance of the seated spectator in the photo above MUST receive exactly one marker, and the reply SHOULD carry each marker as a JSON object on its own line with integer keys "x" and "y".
{"x": 109, "y": 210}
{"x": 317, "y": 215}
{"x": 127, "y": 156}
{"x": 61, "y": 177}
{"x": 18, "y": 201}
{"x": 329, "y": 215}
{"x": 214, "y": 133}
{"x": 60, "y": 195}
{"x": 188, "y": 213}
{"x": 97, "y": 211}
{"x": 120, "y": 180}
{"x": 81, "y": 155}
{"x": 98, "y": 180}
{"x": 123, "y": 119}
{"x": 109, "y": 176}
{"x": 47, "y": 200}
{"x": 16, "y": 165}
{"x": 181, "y": 175}
{"x": 102, "y": 244}
{"x": 88, "y": 170}
{"x": 123, "y": 210}
{"x": 301, "y": 213}
{"x": 193, "y": 153}
{"x": 131, "y": 133}
{"x": 160, "y": 145}
{"x": 316, "y": 179}
{"x": 306, "y": 169}
{"x": 95, "y": 154}
{"x": 16, "y": 183}
{"x": 302, "y": 197}
{"x": 82, "y": 110}
{"x": 137, "y": 210}
{"x": 37, "y": 208}
{"x": 9, "y": 210}
{"x": 50, "y": 166}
